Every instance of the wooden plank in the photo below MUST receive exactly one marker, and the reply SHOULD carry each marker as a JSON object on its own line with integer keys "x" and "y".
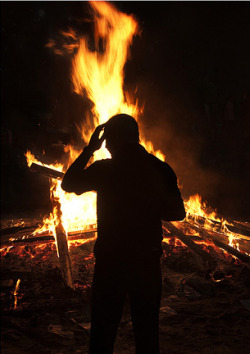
{"x": 184, "y": 238}
{"x": 204, "y": 233}
{"x": 62, "y": 242}
{"x": 63, "y": 253}
{"x": 48, "y": 237}
{"x": 49, "y": 172}
{"x": 236, "y": 227}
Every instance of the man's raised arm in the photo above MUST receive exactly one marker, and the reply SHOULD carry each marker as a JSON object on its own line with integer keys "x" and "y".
{"x": 73, "y": 175}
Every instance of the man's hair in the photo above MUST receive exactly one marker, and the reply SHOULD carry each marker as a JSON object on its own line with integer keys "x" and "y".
{"x": 124, "y": 127}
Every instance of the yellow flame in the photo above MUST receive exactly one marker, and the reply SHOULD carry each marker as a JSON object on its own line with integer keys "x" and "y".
{"x": 31, "y": 158}
{"x": 99, "y": 74}
{"x": 196, "y": 208}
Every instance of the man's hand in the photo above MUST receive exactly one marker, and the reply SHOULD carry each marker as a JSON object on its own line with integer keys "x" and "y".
{"x": 70, "y": 181}
{"x": 96, "y": 141}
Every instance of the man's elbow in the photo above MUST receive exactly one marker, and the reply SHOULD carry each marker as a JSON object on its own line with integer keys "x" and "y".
{"x": 66, "y": 186}
{"x": 71, "y": 188}
{"x": 179, "y": 212}
{"x": 181, "y": 215}
{"x": 174, "y": 214}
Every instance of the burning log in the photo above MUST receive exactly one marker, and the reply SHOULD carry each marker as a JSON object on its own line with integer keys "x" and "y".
{"x": 15, "y": 229}
{"x": 208, "y": 236}
{"x": 184, "y": 238}
{"x": 60, "y": 234}
{"x": 62, "y": 244}
{"x": 46, "y": 236}
{"x": 49, "y": 172}
{"x": 64, "y": 260}
{"x": 235, "y": 227}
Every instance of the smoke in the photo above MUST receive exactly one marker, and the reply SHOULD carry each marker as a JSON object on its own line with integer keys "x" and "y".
{"x": 170, "y": 66}
{"x": 178, "y": 131}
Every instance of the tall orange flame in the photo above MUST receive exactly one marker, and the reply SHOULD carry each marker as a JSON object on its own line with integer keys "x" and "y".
{"x": 100, "y": 74}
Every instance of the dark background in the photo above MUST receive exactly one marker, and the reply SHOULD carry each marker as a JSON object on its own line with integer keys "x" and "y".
{"x": 190, "y": 66}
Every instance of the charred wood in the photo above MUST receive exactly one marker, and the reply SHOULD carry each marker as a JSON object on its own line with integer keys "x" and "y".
{"x": 49, "y": 172}
{"x": 64, "y": 260}
{"x": 14, "y": 229}
{"x": 79, "y": 235}
{"x": 236, "y": 227}
{"x": 184, "y": 238}
{"x": 62, "y": 243}
{"x": 233, "y": 251}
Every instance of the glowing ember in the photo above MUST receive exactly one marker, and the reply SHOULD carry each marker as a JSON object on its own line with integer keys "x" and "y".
{"x": 16, "y": 293}
{"x": 81, "y": 242}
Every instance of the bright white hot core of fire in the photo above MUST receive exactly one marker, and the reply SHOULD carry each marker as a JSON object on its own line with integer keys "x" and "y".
{"x": 99, "y": 75}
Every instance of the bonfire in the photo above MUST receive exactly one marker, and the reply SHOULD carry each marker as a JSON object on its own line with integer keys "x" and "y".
{"x": 60, "y": 247}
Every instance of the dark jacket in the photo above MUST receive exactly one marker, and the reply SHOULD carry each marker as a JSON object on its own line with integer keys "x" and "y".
{"x": 134, "y": 193}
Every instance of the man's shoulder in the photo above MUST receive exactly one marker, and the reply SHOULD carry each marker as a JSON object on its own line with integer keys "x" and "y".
{"x": 162, "y": 165}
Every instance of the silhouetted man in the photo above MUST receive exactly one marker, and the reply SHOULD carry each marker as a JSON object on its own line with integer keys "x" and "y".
{"x": 135, "y": 190}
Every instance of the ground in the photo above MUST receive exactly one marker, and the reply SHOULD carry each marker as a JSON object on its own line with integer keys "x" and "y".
{"x": 204, "y": 309}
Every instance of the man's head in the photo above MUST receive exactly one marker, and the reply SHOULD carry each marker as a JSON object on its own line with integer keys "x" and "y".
{"x": 121, "y": 130}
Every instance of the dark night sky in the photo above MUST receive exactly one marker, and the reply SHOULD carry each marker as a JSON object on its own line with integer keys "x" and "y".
{"x": 190, "y": 55}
